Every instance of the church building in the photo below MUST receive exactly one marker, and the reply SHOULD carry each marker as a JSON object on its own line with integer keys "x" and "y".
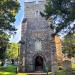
{"x": 38, "y": 51}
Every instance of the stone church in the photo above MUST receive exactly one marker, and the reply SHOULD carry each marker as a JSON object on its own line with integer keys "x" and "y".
{"x": 38, "y": 51}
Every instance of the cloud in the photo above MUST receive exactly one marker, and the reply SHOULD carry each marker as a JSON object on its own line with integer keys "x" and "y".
{"x": 17, "y": 37}
{"x": 19, "y": 18}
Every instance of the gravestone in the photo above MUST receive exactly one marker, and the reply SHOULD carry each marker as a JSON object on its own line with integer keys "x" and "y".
{"x": 7, "y": 62}
{"x": 67, "y": 65}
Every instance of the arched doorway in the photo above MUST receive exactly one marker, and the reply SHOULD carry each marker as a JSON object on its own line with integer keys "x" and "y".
{"x": 38, "y": 63}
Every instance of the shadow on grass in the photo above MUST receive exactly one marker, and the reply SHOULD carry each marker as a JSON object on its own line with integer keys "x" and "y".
{"x": 10, "y": 68}
{"x": 7, "y": 73}
{"x": 63, "y": 73}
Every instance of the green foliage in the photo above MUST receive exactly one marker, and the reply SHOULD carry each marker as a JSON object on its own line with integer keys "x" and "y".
{"x": 12, "y": 51}
{"x": 69, "y": 45}
{"x": 4, "y": 38}
{"x": 8, "y": 11}
{"x": 64, "y": 10}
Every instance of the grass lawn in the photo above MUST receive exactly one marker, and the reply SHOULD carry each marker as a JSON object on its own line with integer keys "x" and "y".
{"x": 11, "y": 70}
{"x": 73, "y": 66}
{"x": 63, "y": 73}
{"x": 22, "y": 74}
{"x": 12, "y": 73}
{"x": 7, "y": 73}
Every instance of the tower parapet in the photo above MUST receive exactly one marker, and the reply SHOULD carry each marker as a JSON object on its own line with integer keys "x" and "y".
{"x": 33, "y": 9}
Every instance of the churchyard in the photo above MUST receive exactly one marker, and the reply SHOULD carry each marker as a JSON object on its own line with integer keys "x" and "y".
{"x": 11, "y": 70}
{"x": 47, "y": 40}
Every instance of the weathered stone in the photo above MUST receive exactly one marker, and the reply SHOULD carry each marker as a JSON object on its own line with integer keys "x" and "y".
{"x": 38, "y": 44}
{"x": 59, "y": 54}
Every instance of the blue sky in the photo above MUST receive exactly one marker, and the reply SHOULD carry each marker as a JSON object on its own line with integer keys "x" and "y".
{"x": 19, "y": 18}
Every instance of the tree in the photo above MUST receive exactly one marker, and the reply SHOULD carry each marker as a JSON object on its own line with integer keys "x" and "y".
{"x": 62, "y": 13}
{"x": 12, "y": 51}
{"x": 8, "y": 11}
{"x": 4, "y": 38}
{"x": 69, "y": 45}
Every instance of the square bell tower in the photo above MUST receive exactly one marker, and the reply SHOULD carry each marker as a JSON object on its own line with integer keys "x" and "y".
{"x": 37, "y": 50}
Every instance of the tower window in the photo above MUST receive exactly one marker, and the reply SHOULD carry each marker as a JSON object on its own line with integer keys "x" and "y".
{"x": 36, "y": 13}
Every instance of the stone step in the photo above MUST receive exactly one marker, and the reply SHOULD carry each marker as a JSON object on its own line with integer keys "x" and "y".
{"x": 37, "y": 73}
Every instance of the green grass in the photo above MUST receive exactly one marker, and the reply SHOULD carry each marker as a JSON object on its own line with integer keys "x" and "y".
{"x": 7, "y": 73}
{"x": 73, "y": 66}
{"x": 63, "y": 73}
{"x": 11, "y": 73}
{"x": 11, "y": 70}
{"x": 22, "y": 74}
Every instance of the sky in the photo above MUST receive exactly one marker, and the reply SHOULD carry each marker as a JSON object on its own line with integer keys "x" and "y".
{"x": 19, "y": 17}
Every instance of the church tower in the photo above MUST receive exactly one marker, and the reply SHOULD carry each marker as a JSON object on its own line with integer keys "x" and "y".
{"x": 37, "y": 48}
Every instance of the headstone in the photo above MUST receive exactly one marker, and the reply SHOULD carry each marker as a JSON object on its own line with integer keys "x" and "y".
{"x": 67, "y": 64}
{"x": 73, "y": 60}
{"x": 6, "y": 63}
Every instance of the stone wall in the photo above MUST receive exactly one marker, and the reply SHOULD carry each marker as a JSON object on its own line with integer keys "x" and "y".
{"x": 31, "y": 8}
{"x": 35, "y": 28}
{"x": 58, "y": 43}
